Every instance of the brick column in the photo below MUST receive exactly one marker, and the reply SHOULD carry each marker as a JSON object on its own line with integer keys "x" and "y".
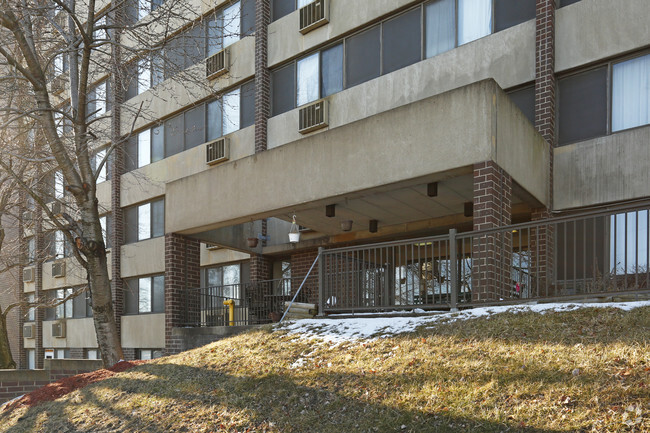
{"x": 182, "y": 272}
{"x": 262, "y": 74}
{"x": 300, "y": 264}
{"x": 492, "y": 253}
{"x": 541, "y": 242}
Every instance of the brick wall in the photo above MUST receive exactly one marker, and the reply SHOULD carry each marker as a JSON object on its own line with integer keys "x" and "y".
{"x": 182, "y": 271}
{"x": 14, "y": 383}
{"x": 300, "y": 264}
{"x": 492, "y": 253}
{"x": 262, "y": 74}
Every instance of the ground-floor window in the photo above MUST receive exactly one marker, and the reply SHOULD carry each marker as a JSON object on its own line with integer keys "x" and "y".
{"x": 149, "y": 353}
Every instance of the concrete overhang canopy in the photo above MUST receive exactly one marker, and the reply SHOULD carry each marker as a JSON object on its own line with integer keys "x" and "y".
{"x": 392, "y": 153}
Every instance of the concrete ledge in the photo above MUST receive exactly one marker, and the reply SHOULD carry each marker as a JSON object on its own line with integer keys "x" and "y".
{"x": 191, "y": 338}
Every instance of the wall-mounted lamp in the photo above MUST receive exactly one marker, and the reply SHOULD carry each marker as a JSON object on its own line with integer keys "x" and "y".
{"x": 346, "y": 225}
{"x": 372, "y": 226}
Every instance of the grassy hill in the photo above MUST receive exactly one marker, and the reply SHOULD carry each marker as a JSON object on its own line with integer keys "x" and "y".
{"x": 584, "y": 370}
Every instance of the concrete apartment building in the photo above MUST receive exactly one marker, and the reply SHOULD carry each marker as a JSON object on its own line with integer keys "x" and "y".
{"x": 371, "y": 121}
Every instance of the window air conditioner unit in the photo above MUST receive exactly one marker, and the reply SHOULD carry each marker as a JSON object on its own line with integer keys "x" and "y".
{"x": 217, "y": 151}
{"x": 56, "y": 208}
{"x": 58, "y": 329}
{"x": 29, "y": 331}
{"x": 28, "y": 275}
{"x": 314, "y": 116}
{"x": 58, "y": 269}
{"x": 217, "y": 64}
{"x": 314, "y": 15}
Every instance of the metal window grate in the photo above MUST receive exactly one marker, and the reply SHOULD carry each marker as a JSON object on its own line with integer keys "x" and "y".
{"x": 58, "y": 270}
{"x": 28, "y": 275}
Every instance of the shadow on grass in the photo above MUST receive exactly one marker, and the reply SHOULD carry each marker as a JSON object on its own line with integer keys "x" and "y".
{"x": 222, "y": 402}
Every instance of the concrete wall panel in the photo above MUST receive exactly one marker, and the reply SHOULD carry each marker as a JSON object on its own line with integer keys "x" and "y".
{"x": 143, "y": 258}
{"x": 144, "y": 331}
{"x": 592, "y": 30}
{"x": 602, "y": 170}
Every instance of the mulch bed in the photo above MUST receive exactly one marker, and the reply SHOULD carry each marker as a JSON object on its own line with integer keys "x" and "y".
{"x": 65, "y": 386}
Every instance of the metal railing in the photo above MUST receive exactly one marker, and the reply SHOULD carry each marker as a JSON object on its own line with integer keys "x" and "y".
{"x": 255, "y": 302}
{"x": 601, "y": 252}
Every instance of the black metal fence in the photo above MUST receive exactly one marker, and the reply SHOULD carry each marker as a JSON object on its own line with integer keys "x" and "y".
{"x": 603, "y": 252}
{"x": 254, "y": 303}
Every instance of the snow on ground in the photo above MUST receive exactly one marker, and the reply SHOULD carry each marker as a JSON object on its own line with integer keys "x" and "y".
{"x": 335, "y": 330}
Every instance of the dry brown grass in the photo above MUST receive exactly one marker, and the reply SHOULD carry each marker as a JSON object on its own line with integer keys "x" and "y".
{"x": 586, "y": 370}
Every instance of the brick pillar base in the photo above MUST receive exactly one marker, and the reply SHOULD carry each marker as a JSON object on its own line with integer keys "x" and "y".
{"x": 542, "y": 252}
{"x": 182, "y": 272}
{"x": 492, "y": 253}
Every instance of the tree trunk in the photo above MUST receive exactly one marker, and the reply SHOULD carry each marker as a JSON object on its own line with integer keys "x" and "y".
{"x": 92, "y": 245}
{"x": 6, "y": 360}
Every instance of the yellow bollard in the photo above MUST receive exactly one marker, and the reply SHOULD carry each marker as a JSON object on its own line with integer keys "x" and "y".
{"x": 231, "y": 310}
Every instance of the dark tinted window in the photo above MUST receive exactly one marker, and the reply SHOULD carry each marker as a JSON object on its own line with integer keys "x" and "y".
{"x": 131, "y": 154}
{"x": 281, "y": 8}
{"x": 508, "y": 13}
{"x": 195, "y": 126}
{"x": 174, "y": 135}
{"x": 331, "y": 70}
{"x": 214, "y": 120}
{"x": 247, "y": 108}
{"x": 362, "y": 57}
{"x": 131, "y": 224}
{"x": 174, "y": 56}
{"x": 79, "y": 305}
{"x": 157, "y": 218}
{"x": 158, "y": 294}
{"x": 194, "y": 42}
{"x": 247, "y": 17}
{"x": 157, "y": 143}
{"x": 282, "y": 89}
{"x": 524, "y": 99}
{"x": 131, "y": 296}
{"x": 402, "y": 38}
{"x": 567, "y": 2}
{"x": 582, "y": 107}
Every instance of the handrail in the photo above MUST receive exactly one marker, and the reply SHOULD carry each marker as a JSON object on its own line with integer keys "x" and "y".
{"x": 301, "y": 285}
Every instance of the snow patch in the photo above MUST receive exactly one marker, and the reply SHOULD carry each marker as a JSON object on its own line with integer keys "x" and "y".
{"x": 350, "y": 329}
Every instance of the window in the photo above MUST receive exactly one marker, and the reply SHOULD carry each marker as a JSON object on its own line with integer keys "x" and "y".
{"x": 98, "y": 158}
{"x": 30, "y": 355}
{"x": 280, "y": 8}
{"x": 63, "y": 310}
{"x": 562, "y": 3}
{"x": 393, "y": 44}
{"x": 98, "y": 102}
{"x": 631, "y": 93}
{"x": 100, "y": 33}
{"x": 524, "y": 99}
{"x": 82, "y": 305}
{"x": 31, "y": 250}
{"x": 401, "y": 41}
{"x": 92, "y": 354}
{"x": 145, "y": 295}
{"x": 107, "y": 231}
{"x": 145, "y": 221}
{"x": 31, "y": 312}
{"x": 58, "y": 64}
{"x": 582, "y": 106}
{"x": 224, "y": 281}
{"x": 197, "y": 125}
{"x": 60, "y": 250}
{"x": 474, "y": 20}
{"x": 149, "y": 353}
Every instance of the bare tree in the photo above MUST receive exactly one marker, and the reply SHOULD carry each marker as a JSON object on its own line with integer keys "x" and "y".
{"x": 54, "y": 57}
